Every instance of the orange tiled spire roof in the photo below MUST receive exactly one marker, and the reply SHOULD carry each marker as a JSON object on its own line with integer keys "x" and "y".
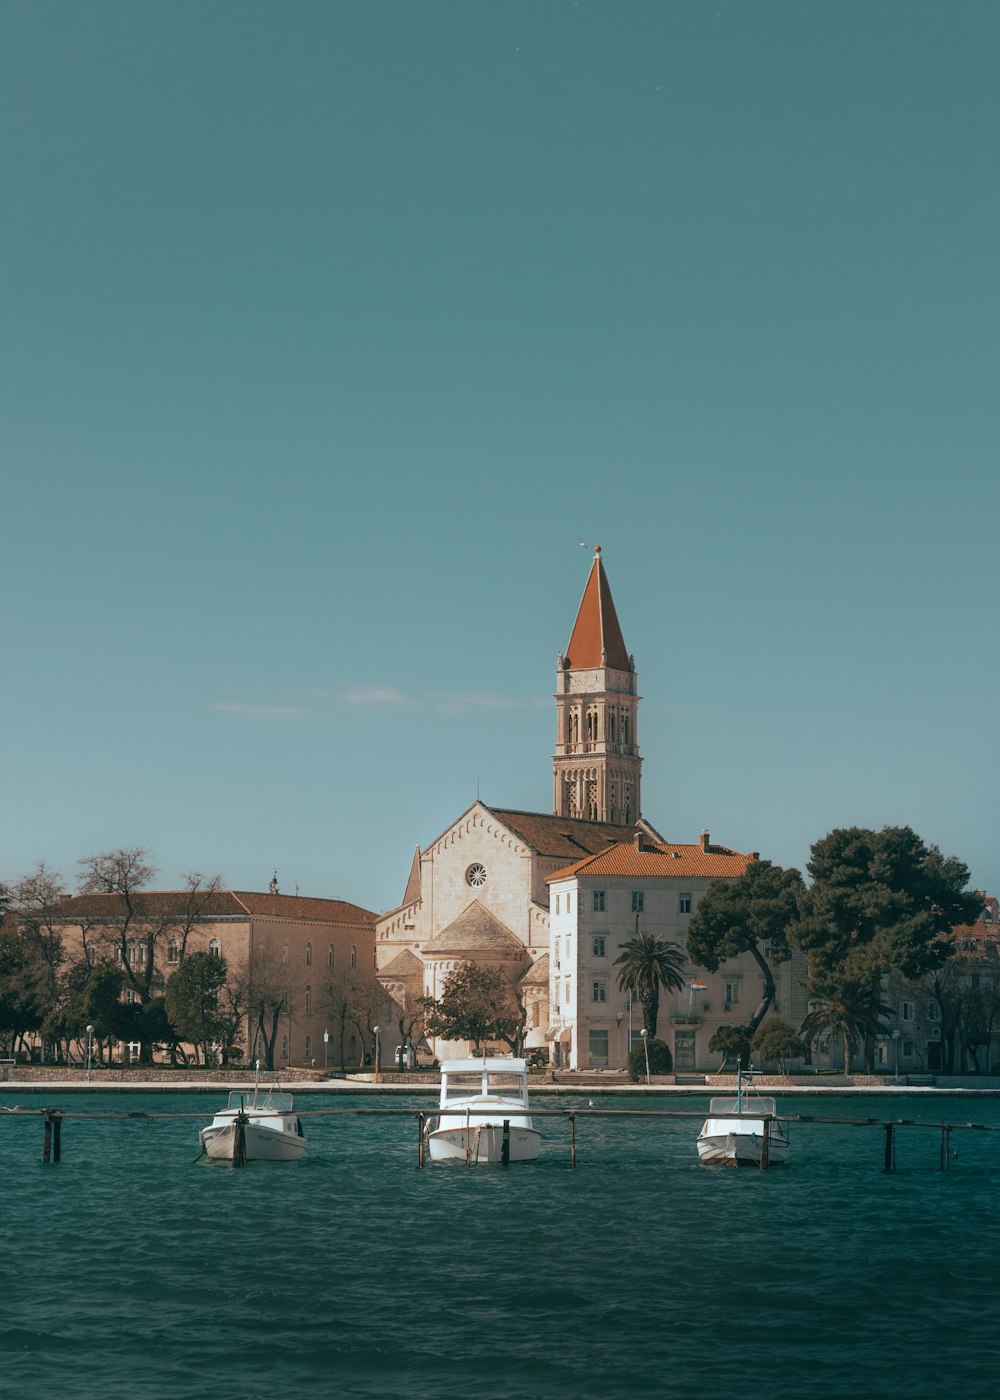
{"x": 597, "y": 637}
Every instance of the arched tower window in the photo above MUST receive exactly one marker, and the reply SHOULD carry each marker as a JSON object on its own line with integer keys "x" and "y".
{"x": 309, "y": 955}
{"x": 354, "y": 956}
{"x": 214, "y": 948}
{"x": 309, "y": 1001}
{"x": 329, "y": 956}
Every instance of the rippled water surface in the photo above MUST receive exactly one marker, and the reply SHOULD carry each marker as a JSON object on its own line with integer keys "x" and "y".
{"x": 130, "y": 1271}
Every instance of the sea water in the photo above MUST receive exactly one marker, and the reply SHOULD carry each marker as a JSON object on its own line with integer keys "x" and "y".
{"x": 129, "y": 1270}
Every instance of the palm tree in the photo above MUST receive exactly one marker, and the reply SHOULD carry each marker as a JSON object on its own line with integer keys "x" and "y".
{"x": 848, "y": 1010}
{"x": 649, "y": 962}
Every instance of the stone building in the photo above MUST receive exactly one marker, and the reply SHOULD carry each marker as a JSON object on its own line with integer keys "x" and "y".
{"x": 307, "y": 940}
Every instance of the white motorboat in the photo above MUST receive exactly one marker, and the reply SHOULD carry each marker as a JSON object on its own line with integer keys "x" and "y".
{"x": 483, "y": 1114}
{"x": 743, "y": 1132}
{"x": 271, "y": 1129}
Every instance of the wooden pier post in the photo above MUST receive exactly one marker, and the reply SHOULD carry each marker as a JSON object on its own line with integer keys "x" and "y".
{"x": 420, "y": 1146}
{"x": 47, "y": 1141}
{"x": 765, "y": 1145}
{"x": 240, "y": 1140}
{"x": 890, "y": 1149}
{"x": 57, "y": 1136}
{"x": 505, "y": 1144}
{"x": 572, "y": 1140}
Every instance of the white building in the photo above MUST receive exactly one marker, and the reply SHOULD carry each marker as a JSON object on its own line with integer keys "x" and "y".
{"x": 597, "y": 905}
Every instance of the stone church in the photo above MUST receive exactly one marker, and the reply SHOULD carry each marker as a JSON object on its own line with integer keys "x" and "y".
{"x": 480, "y": 892}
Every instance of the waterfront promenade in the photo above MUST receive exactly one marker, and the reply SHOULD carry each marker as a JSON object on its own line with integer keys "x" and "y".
{"x": 139, "y": 1079}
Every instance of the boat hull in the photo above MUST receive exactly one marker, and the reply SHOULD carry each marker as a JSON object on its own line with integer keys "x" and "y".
{"x": 483, "y": 1142}
{"x": 263, "y": 1144}
{"x": 742, "y": 1146}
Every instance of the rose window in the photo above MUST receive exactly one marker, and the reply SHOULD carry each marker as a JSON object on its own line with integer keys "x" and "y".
{"x": 476, "y": 876}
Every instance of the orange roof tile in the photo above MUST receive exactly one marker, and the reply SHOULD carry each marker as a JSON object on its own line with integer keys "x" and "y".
{"x": 597, "y": 637}
{"x": 658, "y": 859}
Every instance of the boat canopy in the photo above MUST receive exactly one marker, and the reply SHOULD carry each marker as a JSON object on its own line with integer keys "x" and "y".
{"x": 494, "y": 1064}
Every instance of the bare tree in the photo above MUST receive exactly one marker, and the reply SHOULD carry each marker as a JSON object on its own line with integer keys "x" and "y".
{"x": 125, "y": 873}
{"x": 260, "y": 985}
{"x": 193, "y": 906}
{"x": 369, "y": 1005}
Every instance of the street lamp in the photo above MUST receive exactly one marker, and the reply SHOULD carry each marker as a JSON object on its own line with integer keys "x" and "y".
{"x": 620, "y": 1016}
{"x": 326, "y": 1049}
{"x": 895, "y": 1056}
{"x": 645, "y": 1045}
{"x": 376, "y": 1030}
{"x": 90, "y": 1047}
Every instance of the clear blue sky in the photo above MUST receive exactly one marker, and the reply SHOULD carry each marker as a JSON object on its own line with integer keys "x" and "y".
{"x": 329, "y": 329}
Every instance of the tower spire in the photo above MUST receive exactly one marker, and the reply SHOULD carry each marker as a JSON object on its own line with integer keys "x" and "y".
{"x": 596, "y": 766}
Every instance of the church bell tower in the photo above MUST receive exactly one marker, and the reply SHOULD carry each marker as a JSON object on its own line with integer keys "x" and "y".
{"x": 596, "y": 766}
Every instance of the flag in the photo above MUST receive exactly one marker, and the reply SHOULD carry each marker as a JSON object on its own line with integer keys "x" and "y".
{"x": 699, "y": 986}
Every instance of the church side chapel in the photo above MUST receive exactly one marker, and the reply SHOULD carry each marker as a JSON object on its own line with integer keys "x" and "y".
{"x": 480, "y": 892}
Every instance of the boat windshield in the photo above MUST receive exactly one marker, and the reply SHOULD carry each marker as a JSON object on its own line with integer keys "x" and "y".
{"x": 754, "y": 1107}
{"x": 270, "y": 1100}
{"x": 469, "y": 1085}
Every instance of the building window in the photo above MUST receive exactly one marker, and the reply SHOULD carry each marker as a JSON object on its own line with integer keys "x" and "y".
{"x": 129, "y": 997}
{"x": 684, "y": 903}
{"x": 558, "y": 902}
{"x": 637, "y": 901}
{"x": 309, "y": 955}
{"x": 569, "y": 982}
{"x": 309, "y": 1047}
{"x": 906, "y": 1011}
{"x": 631, "y": 1000}
{"x": 598, "y": 1045}
{"x": 284, "y": 952}
{"x": 284, "y": 1047}
{"x": 598, "y": 945}
{"x": 732, "y": 994}
{"x": 600, "y": 990}
{"x": 476, "y": 876}
{"x": 173, "y": 951}
{"x": 329, "y": 956}
{"x": 354, "y": 957}
{"x": 309, "y": 1001}
{"x": 598, "y": 901}
{"x": 933, "y": 1011}
{"x": 907, "y": 1047}
{"x": 214, "y": 948}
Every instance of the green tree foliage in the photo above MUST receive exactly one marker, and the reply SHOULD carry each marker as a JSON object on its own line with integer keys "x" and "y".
{"x": 25, "y": 994}
{"x": 742, "y": 916}
{"x": 660, "y": 1059}
{"x": 732, "y": 1043}
{"x": 478, "y": 1003}
{"x": 192, "y": 1000}
{"x": 845, "y": 1011}
{"x": 648, "y": 964}
{"x": 776, "y": 1041}
{"x": 880, "y": 900}
{"x": 101, "y": 1005}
